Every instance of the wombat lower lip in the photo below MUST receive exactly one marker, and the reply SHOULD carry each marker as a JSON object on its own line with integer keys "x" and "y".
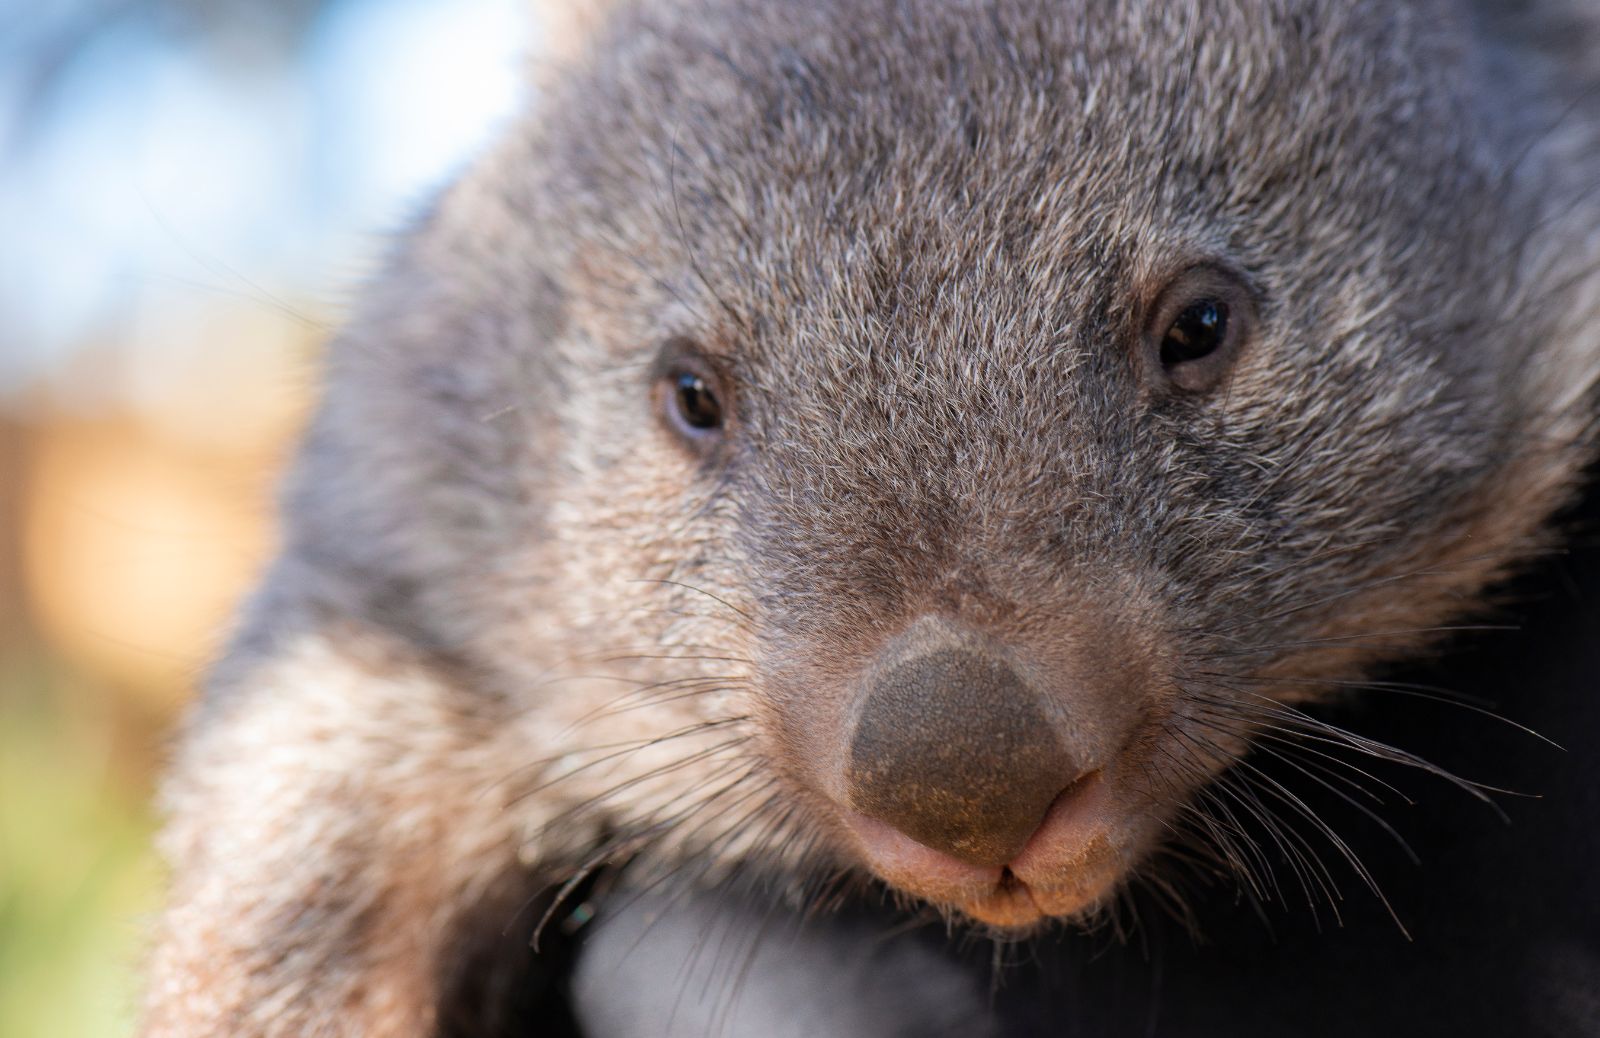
{"x": 1060, "y": 866}
{"x": 1075, "y": 820}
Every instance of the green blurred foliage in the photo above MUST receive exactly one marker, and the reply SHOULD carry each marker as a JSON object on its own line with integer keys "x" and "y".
{"x": 78, "y": 879}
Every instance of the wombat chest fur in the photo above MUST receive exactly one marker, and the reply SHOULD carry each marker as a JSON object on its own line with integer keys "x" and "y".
{"x": 1010, "y": 464}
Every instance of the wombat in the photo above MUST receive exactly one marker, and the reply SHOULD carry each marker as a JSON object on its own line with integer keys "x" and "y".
{"x": 932, "y": 460}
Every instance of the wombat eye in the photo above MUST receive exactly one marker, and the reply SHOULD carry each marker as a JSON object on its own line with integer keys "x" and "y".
{"x": 691, "y": 398}
{"x": 695, "y": 403}
{"x": 1196, "y": 329}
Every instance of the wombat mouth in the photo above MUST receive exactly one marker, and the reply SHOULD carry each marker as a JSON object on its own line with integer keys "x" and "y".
{"x": 1064, "y": 868}
{"x": 998, "y": 770}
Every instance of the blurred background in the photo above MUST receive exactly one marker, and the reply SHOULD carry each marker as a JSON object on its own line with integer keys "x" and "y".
{"x": 191, "y": 192}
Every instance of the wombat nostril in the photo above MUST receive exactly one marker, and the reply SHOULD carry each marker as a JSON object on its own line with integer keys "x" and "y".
{"x": 953, "y": 749}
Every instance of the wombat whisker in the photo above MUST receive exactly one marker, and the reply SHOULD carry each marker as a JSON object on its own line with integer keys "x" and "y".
{"x": 1327, "y": 778}
{"x": 1277, "y": 576}
{"x": 1263, "y": 722}
{"x": 687, "y": 794}
{"x": 675, "y": 153}
{"x": 820, "y": 880}
{"x": 1207, "y": 835}
{"x": 631, "y": 839}
{"x": 637, "y": 745}
{"x": 1439, "y": 692}
{"x": 546, "y": 682}
{"x": 609, "y": 848}
{"x": 1220, "y": 831}
{"x": 1202, "y": 860}
{"x": 1269, "y": 713}
{"x": 644, "y": 691}
{"x": 662, "y": 692}
{"x": 622, "y": 747}
{"x": 661, "y": 697}
{"x": 695, "y": 800}
{"x": 659, "y": 876}
{"x": 1375, "y": 638}
{"x": 1295, "y": 850}
{"x": 1240, "y": 849}
{"x": 551, "y": 675}
{"x": 1317, "y": 729}
{"x": 769, "y": 918}
{"x": 1287, "y": 751}
{"x": 689, "y": 874}
{"x": 1337, "y": 596}
{"x": 733, "y": 983}
{"x": 1290, "y": 743}
{"x": 1282, "y": 793}
{"x": 1127, "y": 921}
{"x": 1220, "y": 844}
{"x": 688, "y": 882}
{"x": 735, "y": 827}
{"x": 1431, "y": 694}
{"x": 654, "y": 650}
{"x": 732, "y": 826}
{"x": 1280, "y": 741}
{"x": 639, "y": 657}
{"x": 680, "y": 610}
{"x": 550, "y": 680}
{"x": 670, "y": 817}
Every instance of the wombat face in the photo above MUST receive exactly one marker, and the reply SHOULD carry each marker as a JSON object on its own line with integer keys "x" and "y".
{"x": 935, "y": 442}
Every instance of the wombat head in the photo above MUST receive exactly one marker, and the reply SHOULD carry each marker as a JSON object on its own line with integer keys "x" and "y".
{"x": 932, "y": 439}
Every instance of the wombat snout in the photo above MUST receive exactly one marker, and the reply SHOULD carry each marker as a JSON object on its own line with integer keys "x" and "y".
{"x": 954, "y": 749}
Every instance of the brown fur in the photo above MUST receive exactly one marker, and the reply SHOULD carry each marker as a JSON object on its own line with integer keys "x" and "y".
{"x": 517, "y": 625}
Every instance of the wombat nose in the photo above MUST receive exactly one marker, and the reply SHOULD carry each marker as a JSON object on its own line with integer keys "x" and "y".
{"x": 953, "y": 749}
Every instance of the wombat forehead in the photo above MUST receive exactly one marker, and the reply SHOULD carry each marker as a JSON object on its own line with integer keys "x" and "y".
{"x": 825, "y": 169}
{"x": 922, "y": 94}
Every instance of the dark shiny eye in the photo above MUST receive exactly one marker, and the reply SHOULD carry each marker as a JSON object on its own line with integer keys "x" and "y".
{"x": 692, "y": 396}
{"x": 1196, "y": 329}
{"x": 1199, "y": 331}
{"x": 695, "y": 404}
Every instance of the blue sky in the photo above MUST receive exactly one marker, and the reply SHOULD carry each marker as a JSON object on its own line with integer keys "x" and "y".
{"x": 163, "y": 170}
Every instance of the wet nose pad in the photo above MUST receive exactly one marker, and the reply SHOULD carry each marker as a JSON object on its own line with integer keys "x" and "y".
{"x": 955, "y": 751}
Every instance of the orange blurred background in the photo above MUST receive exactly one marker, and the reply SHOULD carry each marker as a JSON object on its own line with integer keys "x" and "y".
{"x": 191, "y": 191}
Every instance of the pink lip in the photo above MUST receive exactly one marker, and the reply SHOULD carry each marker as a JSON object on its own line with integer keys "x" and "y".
{"x": 1071, "y": 826}
{"x": 1074, "y": 822}
{"x": 894, "y": 854}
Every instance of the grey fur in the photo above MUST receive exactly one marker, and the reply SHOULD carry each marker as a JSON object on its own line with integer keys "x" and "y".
{"x": 919, "y": 237}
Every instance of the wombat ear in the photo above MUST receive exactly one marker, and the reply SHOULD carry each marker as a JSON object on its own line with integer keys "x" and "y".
{"x": 563, "y": 27}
